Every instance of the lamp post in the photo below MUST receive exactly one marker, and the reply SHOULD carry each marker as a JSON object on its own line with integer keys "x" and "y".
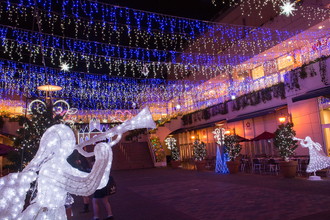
{"x": 282, "y": 119}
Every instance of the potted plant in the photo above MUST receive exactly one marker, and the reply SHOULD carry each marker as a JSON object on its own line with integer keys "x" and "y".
{"x": 232, "y": 148}
{"x": 286, "y": 145}
{"x": 199, "y": 154}
{"x": 175, "y": 152}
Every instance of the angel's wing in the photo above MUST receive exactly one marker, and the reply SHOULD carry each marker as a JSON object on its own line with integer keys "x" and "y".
{"x": 13, "y": 190}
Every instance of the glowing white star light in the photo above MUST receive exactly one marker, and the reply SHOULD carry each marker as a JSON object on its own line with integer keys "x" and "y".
{"x": 287, "y": 8}
{"x": 65, "y": 67}
{"x": 145, "y": 70}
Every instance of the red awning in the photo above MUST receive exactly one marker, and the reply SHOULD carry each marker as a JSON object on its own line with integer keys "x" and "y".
{"x": 242, "y": 139}
{"x": 4, "y": 149}
{"x": 264, "y": 136}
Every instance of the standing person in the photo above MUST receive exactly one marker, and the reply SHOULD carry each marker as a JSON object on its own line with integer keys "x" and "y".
{"x": 102, "y": 196}
{"x": 81, "y": 163}
{"x": 85, "y": 167}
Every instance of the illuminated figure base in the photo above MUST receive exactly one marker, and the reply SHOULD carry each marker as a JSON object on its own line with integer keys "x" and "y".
{"x": 314, "y": 178}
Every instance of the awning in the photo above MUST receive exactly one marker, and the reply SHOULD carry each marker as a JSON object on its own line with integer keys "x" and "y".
{"x": 264, "y": 136}
{"x": 5, "y": 149}
{"x": 242, "y": 139}
{"x": 191, "y": 128}
{"x": 257, "y": 113}
{"x": 312, "y": 94}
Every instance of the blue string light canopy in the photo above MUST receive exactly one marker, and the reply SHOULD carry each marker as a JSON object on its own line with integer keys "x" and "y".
{"x": 120, "y": 56}
{"x": 48, "y": 88}
{"x": 124, "y": 42}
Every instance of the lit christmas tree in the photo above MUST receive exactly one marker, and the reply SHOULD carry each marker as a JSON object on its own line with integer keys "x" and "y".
{"x": 27, "y": 142}
{"x": 171, "y": 145}
{"x": 232, "y": 146}
{"x": 199, "y": 150}
{"x": 284, "y": 141}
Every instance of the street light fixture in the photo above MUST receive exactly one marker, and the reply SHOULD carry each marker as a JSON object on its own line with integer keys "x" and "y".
{"x": 282, "y": 119}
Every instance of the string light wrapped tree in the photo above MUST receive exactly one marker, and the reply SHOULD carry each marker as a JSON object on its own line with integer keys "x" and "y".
{"x": 199, "y": 148}
{"x": 158, "y": 152}
{"x": 232, "y": 148}
{"x": 29, "y": 135}
{"x": 175, "y": 152}
{"x": 286, "y": 145}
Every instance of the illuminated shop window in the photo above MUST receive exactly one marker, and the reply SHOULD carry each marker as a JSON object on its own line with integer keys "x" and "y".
{"x": 258, "y": 72}
{"x": 285, "y": 62}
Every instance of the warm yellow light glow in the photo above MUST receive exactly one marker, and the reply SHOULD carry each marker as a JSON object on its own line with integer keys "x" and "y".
{"x": 227, "y": 132}
{"x": 11, "y": 108}
{"x": 285, "y": 62}
{"x": 193, "y": 137}
{"x": 49, "y": 88}
{"x": 258, "y": 72}
{"x": 219, "y": 124}
{"x": 282, "y": 119}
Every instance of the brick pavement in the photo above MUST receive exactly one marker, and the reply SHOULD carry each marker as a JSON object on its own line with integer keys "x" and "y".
{"x": 177, "y": 194}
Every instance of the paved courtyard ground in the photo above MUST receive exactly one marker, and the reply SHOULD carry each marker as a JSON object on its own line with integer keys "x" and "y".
{"x": 178, "y": 194}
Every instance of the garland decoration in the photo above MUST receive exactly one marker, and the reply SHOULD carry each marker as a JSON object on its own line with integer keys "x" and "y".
{"x": 323, "y": 71}
{"x": 255, "y": 98}
{"x": 205, "y": 114}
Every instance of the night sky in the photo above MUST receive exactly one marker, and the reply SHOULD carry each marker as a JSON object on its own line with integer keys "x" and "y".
{"x": 195, "y": 9}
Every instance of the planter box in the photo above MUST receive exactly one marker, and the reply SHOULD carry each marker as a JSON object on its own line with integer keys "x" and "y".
{"x": 160, "y": 164}
{"x": 175, "y": 164}
{"x": 288, "y": 169}
{"x": 233, "y": 166}
{"x": 200, "y": 165}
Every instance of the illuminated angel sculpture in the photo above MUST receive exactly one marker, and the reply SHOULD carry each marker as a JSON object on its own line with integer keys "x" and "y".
{"x": 55, "y": 177}
{"x": 318, "y": 160}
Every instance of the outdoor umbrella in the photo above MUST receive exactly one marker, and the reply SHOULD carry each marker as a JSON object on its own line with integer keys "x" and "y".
{"x": 242, "y": 139}
{"x": 264, "y": 136}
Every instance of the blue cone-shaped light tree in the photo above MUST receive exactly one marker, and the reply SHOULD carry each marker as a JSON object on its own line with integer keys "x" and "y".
{"x": 220, "y": 164}
{"x": 221, "y": 157}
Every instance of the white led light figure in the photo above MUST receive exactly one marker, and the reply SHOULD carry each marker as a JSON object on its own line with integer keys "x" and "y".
{"x": 60, "y": 107}
{"x": 55, "y": 177}
{"x": 219, "y": 135}
{"x": 317, "y": 158}
{"x": 170, "y": 142}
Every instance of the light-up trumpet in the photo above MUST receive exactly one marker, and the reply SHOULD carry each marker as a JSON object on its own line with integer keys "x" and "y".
{"x": 141, "y": 120}
{"x": 297, "y": 139}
